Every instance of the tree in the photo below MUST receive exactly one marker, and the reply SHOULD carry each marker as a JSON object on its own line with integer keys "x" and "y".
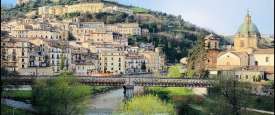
{"x": 196, "y": 58}
{"x": 174, "y": 71}
{"x": 60, "y": 96}
{"x": 147, "y": 105}
{"x": 228, "y": 96}
{"x": 62, "y": 65}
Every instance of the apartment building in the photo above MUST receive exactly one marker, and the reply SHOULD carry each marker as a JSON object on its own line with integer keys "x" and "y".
{"x": 135, "y": 63}
{"x": 112, "y": 62}
{"x": 15, "y": 53}
{"x": 124, "y": 28}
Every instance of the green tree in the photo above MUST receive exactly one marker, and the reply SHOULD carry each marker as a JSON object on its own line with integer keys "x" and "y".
{"x": 60, "y": 96}
{"x": 228, "y": 96}
{"x": 62, "y": 65}
{"x": 174, "y": 71}
{"x": 147, "y": 105}
{"x": 197, "y": 57}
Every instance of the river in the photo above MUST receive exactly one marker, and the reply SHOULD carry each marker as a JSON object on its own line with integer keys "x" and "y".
{"x": 105, "y": 103}
{"x": 109, "y": 102}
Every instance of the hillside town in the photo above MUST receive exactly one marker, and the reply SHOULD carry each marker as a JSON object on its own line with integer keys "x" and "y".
{"x": 42, "y": 46}
{"x": 105, "y": 57}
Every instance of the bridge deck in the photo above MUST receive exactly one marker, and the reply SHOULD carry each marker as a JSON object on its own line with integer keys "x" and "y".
{"x": 120, "y": 81}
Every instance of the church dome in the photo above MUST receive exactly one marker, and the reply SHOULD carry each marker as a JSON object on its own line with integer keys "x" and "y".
{"x": 248, "y": 27}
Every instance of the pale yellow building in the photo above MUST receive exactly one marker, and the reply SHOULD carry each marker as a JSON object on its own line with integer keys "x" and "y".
{"x": 112, "y": 62}
{"x": 155, "y": 60}
{"x": 76, "y": 8}
{"x": 85, "y": 8}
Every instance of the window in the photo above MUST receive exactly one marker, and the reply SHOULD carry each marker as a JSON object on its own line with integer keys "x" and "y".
{"x": 23, "y": 60}
{"x": 237, "y": 76}
{"x": 256, "y": 63}
{"x": 208, "y": 44}
{"x": 241, "y": 43}
{"x": 266, "y": 59}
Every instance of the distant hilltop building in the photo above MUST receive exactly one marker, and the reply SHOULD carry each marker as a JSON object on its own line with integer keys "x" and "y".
{"x": 80, "y": 8}
{"x": 247, "y": 55}
{"x": 21, "y": 2}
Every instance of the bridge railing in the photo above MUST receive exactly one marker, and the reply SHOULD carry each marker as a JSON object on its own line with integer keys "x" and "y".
{"x": 124, "y": 81}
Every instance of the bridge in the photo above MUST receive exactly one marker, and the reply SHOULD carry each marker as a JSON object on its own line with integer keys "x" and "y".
{"x": 127, "y": 82}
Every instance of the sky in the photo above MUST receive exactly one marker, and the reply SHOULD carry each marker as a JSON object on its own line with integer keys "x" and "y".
{"x": 220, "y": 16}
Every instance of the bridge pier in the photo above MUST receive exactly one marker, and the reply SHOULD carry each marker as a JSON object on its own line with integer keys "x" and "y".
{"x": 128, "y": 91}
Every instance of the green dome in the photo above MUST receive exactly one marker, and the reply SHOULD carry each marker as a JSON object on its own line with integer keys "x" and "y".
{"x": 248, "y": 28}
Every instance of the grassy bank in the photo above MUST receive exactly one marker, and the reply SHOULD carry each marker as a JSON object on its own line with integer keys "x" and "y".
{"x": 5, "y": 110}
{"x": 186, "y": 102}
{"x": 19, "y": 95}
{"x": 260, "y": 102}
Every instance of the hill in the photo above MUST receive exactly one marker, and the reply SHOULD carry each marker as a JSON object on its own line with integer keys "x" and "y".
{"x": 175, "y": 35}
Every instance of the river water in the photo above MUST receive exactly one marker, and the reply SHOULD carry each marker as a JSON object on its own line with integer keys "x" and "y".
{"x": 106, "y": 103}
{"x": 109, "y": 102}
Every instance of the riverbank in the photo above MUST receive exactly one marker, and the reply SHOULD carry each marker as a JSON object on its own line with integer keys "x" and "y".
{"x": 187, "y": 102}
{"x": 7, "y": 110}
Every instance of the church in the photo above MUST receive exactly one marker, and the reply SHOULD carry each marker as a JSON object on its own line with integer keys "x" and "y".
{"x": 248, "y": 54}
